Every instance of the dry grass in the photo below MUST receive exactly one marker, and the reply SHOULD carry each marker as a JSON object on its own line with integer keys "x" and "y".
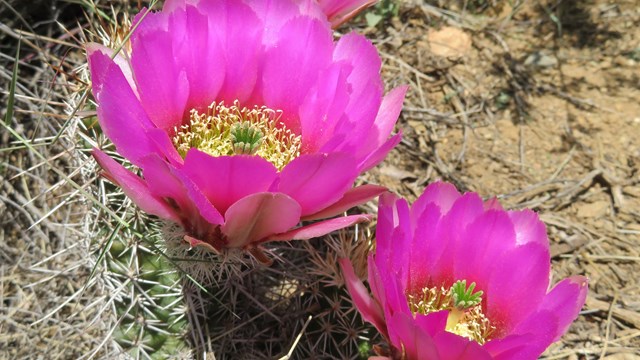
{"x": 539, "y": 108}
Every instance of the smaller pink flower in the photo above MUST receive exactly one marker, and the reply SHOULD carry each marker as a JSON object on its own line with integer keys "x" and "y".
{"x": 454, "y": 277}
{"x": 340, "y": 11}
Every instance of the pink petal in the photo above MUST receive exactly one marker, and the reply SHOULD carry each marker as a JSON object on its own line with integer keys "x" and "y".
{"x": 484, "y": 240}
{"x": 164, "y": 183}
{"x": 324, "y": 106}
{"x": 119, "y": 60}
{"x": 164, "y": 146}
{"x": 204, "y": 206}
{"x": 253, "y": 218}
{"x": 320, "y": 228}
{"x": 368, "y": 307}
{"x": 196, "y": 50}
{"x": 120, "y": 114}
{"x": 449, "y": 231}
{"x": 354, "y": 197}
{"x": 518, "y": 283}
{"x": 427, "y": 248}
{"x": 227, "y": 179}
{"x": 240, "y": 31}
{"x": 454, "y": 347}
{"x": 193, "y": 242}
{"x": 565, "y": 301}
{"x": 290, "y": 69}
{"x": 375, "y": 281}
{"x": 167, "y": 182}
{"x": 340, "y": 11}
{"x": 364, "y": 79}
{"x": 172, "y": 5}
{"x": 433, "y": 323}
{"x": 529, "y": 228}
{"x": 379, "y": 154}
{"x": 162, "y": 86}
{"x": 316, "y": 181}
{"x": 404, "y": 334}
{"x": 442, "y": 194}
{"x": 387, "y": 217}
{"x": 493, "y": 204}
{"x": 274, "y": 14}
{"x": 387, "y": 116}
{"x": 393, "y": 234}
{"x": 523, "y": 346}
{"x": 134, "y": 187}
{"x": 529, "y": 340}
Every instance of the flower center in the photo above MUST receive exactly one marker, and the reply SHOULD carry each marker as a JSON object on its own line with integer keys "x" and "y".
{"x": 234, "y": 130}
{"x": 465, "y": 312}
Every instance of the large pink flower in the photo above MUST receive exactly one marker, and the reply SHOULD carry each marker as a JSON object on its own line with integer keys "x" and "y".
{"x": 245, "y": 118}
{"x": 455, "y": 278}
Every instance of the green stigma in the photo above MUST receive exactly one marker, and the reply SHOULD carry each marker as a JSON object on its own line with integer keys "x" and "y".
{"x": 235, "y": 130}
{"x": 464, "y": 298}
{"x": 246, "y": 138}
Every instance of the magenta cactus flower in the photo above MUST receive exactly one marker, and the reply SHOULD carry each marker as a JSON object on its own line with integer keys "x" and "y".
{"x": 340, "y": 11}
{"x": 455, "y": 278}
{"x": 245, "y": 118}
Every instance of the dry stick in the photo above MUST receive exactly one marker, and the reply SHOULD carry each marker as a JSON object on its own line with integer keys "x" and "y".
{"x": 608, "y": 328}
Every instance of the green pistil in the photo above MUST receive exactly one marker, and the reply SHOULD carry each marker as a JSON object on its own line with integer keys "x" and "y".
{"x": 246, "y": 138}
{"x": 463, "y": 297}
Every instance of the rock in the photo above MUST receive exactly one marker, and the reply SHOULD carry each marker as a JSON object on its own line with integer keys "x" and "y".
{"x": 449, "y": 42}
{"x": 541, "y": 59}
{"x": 593, "y": 210}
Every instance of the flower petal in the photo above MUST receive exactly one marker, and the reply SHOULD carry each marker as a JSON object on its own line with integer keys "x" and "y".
{"x": 227, "y": 179}
{"x": 528, "y": 341}
{"x": 368, "y": 307}
{"x": 366, "y": 90}
{"x": 119, "y": 60}
{"x": 379, "y": 154}
{"x": 529, "y": 228}
{"x": 427, "y": 248}
{"x": 488, "y": 237}
{"x": 404, "y": 334}
{"x": 387, "y": 116}
{"x": 167, "y": 182}
{"x": 454, "y": 347}
{"x": 320, "y": 228}
{"x": 254, "y": 217}
{"x": 318, "y": 180}
{"x": 240, "y": 31}
{"x": 134, "y": 187}
{"x": 340, "y": 11}
{"x": 323, "y": 107}
{"x": 565, "y": 301}
{"x": 452, "y": 227}
{"x": 517, "y": 284}
{"x": 119, "y": 111}
{"x": 354, "y": 197}
{"x": 442, "y": 194}
{"x": 290, "y": 69}
{"x": 204, "y": 206}
{"x": 163, "y": 87}
{"x": 196, "y": 50}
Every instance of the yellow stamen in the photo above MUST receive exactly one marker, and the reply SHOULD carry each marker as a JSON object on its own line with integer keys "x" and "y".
{"x": 467, "y": 322}
{"x": 224, "y": 131}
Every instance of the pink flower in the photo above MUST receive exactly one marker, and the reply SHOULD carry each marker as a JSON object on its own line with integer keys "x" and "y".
{"x": 340, "y": 11}
{"x": 455, "y": 278}
{"x": 245, "y": 119}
